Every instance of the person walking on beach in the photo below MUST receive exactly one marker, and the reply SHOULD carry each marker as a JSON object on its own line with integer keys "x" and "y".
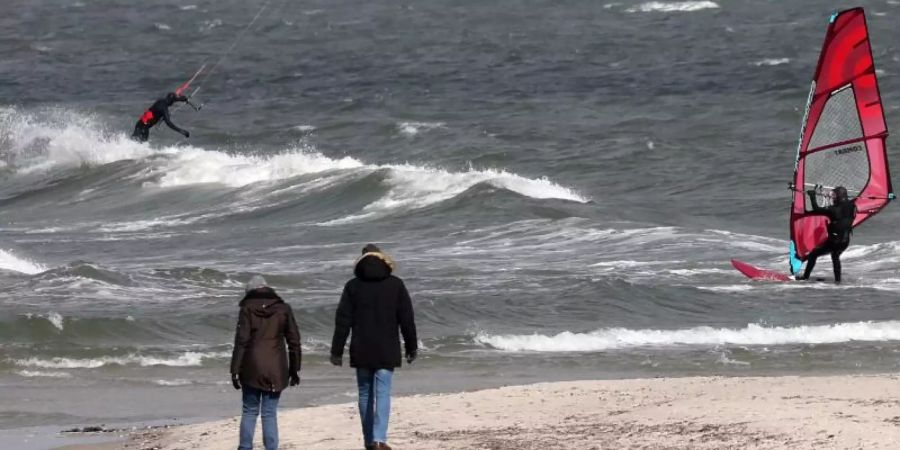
{"x": 260, "y": 367}
{"x": 373, "y": 307}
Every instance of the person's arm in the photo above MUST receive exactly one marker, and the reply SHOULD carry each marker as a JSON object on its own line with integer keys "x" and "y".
{"x": 292, "y": 336}
{"x": 406, "y": 319}
{"x": 241, "y": 341}
{"x": 343, "y": 322}
{"x": 172, "y": 125}
{"x": 814, "y": 202}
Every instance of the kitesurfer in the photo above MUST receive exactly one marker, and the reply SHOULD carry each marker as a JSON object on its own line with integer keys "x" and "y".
{"x": 840, "y": 215}
{"x": 159, "y": 110}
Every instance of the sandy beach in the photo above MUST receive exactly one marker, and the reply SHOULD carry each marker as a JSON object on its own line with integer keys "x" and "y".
{"x": 833, "y": 412}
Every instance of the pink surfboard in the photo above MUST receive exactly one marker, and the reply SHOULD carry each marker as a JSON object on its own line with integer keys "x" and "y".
{"x": 755, "y": 273}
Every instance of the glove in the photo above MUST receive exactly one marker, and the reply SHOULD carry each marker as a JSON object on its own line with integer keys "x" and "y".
{"x": 294, "y": 378}
{"x": 236, "y": 381}
{"x": 337, "y": 360}
{"x": 411, "y": 356}
{"x": 186, "y": 133}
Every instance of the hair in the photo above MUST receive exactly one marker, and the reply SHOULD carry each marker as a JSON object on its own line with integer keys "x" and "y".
{"x": 371, "y": 248}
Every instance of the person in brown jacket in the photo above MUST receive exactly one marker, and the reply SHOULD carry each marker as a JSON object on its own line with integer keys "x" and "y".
{"x": 260, "y": 366}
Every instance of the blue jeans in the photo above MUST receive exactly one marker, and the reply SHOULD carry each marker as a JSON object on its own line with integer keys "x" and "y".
{"x": 374, "y": 403}
{"x": 253, "y": 399}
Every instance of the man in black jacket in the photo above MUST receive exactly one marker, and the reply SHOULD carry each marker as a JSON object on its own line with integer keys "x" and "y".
{"x": 841, "y": 215}
{"x": 259, "y": 365}
{"x": 374, "y": 306}
{"x": 158, "y": 110}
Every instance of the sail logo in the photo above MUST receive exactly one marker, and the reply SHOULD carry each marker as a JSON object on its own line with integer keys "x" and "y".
{"x": 846, "y": 150}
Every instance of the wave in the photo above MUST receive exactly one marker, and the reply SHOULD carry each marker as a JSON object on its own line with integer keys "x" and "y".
{"x": 752, "y": 334}
{"x": 53, "y": 139}
{"x": 173, "y": 383}
{"x": 8, "y": 261}
{"x": 56, "y": 137}
{"x": 673, "y": 6}
{"x": 187, "y": 359}
{"x": 772, "y": 62}
{"x": 42, "y": 374}
{"x": 414, "y": 128}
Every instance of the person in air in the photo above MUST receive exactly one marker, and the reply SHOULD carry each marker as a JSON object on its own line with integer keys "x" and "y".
{"x": 840, "y": 214}
{"x": 158, "y": 110}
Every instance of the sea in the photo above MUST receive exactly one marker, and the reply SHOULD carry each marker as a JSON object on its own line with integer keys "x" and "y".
{"x": 562, "y": 184}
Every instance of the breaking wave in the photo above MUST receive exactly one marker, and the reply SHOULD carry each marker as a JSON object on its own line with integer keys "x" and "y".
{"x": 752, "y": 334}
{"x": 8, "y": 261}
{"x": 673, "y": 6}
{"x": 772, "y": 62}
{"x": 187, "y": 359}
{"x": 49, "y": 140}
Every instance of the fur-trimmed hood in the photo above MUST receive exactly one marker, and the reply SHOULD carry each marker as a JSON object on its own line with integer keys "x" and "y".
{"x": 374, "y": 266}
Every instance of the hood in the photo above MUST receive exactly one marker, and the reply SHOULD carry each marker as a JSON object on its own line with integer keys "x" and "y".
{"x": 262, "y": 302}
{"x": 373, "y": 266}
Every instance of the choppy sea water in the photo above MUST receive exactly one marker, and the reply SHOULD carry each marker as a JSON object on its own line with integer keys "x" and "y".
{"x": 562, "y": 184}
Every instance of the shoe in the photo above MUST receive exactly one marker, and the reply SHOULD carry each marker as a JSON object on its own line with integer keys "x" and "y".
{"x": 382, "y": 446}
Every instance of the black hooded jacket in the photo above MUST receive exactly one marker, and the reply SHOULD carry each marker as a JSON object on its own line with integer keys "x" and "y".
{"x": 375, "y": 309}
{"x": 265, "y": 323}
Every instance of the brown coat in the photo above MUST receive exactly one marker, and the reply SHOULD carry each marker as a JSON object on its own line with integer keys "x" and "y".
{"x": 265, "y": 323}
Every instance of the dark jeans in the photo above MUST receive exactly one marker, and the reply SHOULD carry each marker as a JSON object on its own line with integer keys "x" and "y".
{"x": 258, "y": 402}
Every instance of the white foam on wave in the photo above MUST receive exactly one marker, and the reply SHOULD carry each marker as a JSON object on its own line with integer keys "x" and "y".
{"x": 42, "y": 374}
{"x": 673, "y": 6}
{"x": 162, "y": 27}
{"x": 40, "y": 141}
{"x": 194, "y": 165}
{"x": 187, "y": 359}
{"x": 752, "y": 334}
{"x": 305, "y": 128}
{"x": 414, "y": 128}
{"x": 56, "y": 319}
{"x": 412, "y": 187}
{"x": 772, "y": 62}
{"x": 8, "y": 261}
{"x": 57, "y": 138}
{"x": 173, "y": 383}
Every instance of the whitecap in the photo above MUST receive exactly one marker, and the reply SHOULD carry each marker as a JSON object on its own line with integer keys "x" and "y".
{"x": 772, "y": 62}
{"x": 752, "y": 334}
{"x": 8, "y": 261}
{"x": 413, "y": 128}
{"x": 673, "y": 6}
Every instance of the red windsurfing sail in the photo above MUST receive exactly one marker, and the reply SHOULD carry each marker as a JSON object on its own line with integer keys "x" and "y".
{"x": 842, "y": 139}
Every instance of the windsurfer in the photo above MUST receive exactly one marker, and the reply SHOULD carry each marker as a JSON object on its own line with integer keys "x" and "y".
{"x": 159, "y": 110}
{"x": 840, "y": 215}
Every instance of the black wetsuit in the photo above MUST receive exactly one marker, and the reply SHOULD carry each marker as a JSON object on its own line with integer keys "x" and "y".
{"x": 840, "y": 227}
{"x": 159, "y": 110}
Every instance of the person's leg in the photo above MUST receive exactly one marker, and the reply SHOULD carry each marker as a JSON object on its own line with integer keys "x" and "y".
{"x": 250, "y": 409}
{"x": 365, "y": 383}
{"x": 836, "y": 261}
{"x": 383, "y": 380}
{"x": 811, "y": 260}
{"x": 269, "y": 413}
{"x": 140, "y": 133}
